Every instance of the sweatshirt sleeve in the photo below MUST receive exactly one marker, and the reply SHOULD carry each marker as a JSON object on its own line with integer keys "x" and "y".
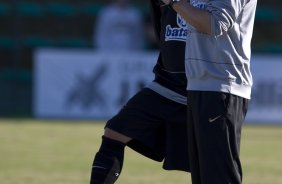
{"x": 224, "y": 14}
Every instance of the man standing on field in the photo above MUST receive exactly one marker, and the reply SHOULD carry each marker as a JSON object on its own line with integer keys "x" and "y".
{"x": 153, "y": 122}
{"x": 218, "y": 53}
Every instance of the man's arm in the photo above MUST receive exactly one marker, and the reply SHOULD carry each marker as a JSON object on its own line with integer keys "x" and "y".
{"x": 198, "y": 18}
{"x": 156, "y": 18}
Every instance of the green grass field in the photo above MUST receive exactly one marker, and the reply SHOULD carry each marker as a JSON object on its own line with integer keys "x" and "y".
{"x": 61, "y": 152}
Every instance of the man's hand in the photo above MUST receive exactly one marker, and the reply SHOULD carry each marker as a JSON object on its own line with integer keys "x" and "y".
{"x": 166, "y": 1}
{"x": 199, "y": 18}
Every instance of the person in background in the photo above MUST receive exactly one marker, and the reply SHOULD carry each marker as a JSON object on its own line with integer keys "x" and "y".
{"x": 217, "y": 59}
{"x": 153, "y": 122}
{"x": 119, "y": 26}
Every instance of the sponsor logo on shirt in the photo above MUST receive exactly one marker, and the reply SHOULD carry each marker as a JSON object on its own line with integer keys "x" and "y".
{"x": 198, "y": 4}
{"x": 178, "y": 33}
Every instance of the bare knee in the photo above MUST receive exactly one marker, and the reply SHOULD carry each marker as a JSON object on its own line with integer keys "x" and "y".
{"x": 109, "y": 133}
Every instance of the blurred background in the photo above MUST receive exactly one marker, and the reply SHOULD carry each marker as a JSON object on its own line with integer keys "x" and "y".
{"x": 77, "y": 26}
{"x": 26, "y": 25}
{"x": 78, "y": 60}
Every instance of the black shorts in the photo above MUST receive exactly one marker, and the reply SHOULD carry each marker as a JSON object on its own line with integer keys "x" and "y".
{"x": 157, "y": 127}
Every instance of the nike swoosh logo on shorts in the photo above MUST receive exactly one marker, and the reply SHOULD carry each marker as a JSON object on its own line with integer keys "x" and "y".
{"x": 214, "y": 119}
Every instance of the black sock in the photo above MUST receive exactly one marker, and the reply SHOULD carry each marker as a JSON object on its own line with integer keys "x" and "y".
{"x": 108, "y": 162}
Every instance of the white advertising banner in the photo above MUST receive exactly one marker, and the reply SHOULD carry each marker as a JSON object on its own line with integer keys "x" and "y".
{"x": 87, "y": 84}
{"x": 266, "y": 103}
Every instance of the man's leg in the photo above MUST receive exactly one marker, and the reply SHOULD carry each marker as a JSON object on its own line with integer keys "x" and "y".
{"x": 218, "y": 119}
{"x": 141, "y": 120}
{"x": 192, "y": 144}
{"x": 108, "y": 161}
